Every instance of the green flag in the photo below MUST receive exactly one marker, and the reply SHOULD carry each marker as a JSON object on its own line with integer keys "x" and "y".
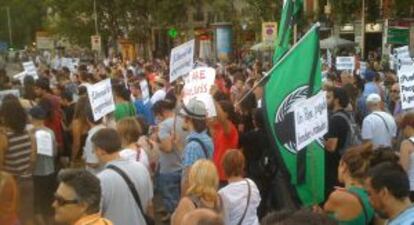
{"x": 291, "y": 10}
{"x": 295, "y": 77}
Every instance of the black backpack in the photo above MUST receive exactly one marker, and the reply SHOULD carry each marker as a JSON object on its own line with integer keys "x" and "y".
{"x": 354, "y": 135}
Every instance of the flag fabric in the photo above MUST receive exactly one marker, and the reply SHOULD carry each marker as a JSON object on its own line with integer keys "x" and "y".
{"x": 291, "y": 10}
{"x": 297, "y": 76}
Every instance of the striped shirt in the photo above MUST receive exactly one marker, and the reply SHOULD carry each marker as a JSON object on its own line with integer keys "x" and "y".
{"x": 17, "y": 155}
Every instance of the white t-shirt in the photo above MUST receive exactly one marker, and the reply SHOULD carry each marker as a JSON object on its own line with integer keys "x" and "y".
{"x": 88, "y": 150}
{"x": 234, "y": 197}
{"x": 131, "y": 155}
{"x": 158, "y": 95}
{"x": 380, "y": 128}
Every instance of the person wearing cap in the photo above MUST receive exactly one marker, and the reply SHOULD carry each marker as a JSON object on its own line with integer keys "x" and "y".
{"x": 370, "y": 87}
{"x": 199, "y": 143}
{"x": 44, "y": 168}
{"x": 378, "y": 127}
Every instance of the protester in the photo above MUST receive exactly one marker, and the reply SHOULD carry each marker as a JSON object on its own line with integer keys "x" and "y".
{"x": 44, "y": 172}
{"x": 78, "y": 198}
{"x": 9, "y": 199}
{"x": 407, "y": 149}
{"x": 388, "y": 188}
{"x": 350, "y": 205}
{"x": 123, "y": 106}
{"x": 202, "y": 217}
{"x": 199, "y": 144}
{"x": 17, "y": 155}
{"x": 241, "y": 196}
{"x": 130, "y": 131}
{"x": 126, "y": 186}
{"x": 80, "y": 128}
{"x": 171, "y": 137}
{"x": 202, "y": 192}
{"x": 378, "y": 127}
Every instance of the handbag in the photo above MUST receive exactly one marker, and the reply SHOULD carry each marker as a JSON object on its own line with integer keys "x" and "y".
{"x": 148, "y": 220}
{"x": 247, "y": 205}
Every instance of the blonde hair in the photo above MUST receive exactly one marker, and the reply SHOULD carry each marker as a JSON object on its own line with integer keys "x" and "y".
{"x": 203, "y": 180}
{"x": 129, "y": 129}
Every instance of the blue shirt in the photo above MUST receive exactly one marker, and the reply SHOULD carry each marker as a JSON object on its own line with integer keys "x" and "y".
{"x": 405, "y": 218}
{"x": 193, "y": 150}
{"x": 145, "y": 111}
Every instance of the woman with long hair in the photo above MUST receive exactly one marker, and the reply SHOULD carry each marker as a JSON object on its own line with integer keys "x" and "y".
{"x": 16, "y": 155}
{"x": 202, "y": 192}
{"x": 130, "y": 131}
{"x": 80, "y": 128}
{"x": 350, "y": 205}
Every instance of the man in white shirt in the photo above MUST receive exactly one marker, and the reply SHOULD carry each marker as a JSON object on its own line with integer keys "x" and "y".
{"x": 159, "y": 90}
{"x": 378, "y": 127}
{"x": 89, "y": 155}
{"x": 118, "y": 202}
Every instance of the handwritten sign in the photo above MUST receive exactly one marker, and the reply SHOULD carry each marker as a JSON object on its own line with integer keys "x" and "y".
{"x": 406, "y": 78}
{"x": 311, "y": 120}
{"x": 402, "y": 52}
{"x": 144, "y": 91}
{"x": 345, "y": 63}
{"x": 44, "y": 143}
{"x": 197, "y": 85}
{"x": 9, "y": 92}
{"x": 30, "y": 69}
{"x": 181, "y": 60}
{"x": 101, "y": 99}
{"x": 362, "y": 67}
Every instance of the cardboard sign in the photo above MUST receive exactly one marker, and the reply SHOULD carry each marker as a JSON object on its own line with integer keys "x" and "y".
{"x": 30, "y": 69}
{"x": 181, "y": 60}
{"x": 406, "y": 78}
{"x": 9, "y": 92}
{"x": 101, "y": 99}
{"x": 269, "y": 31}
{"x": 144, "y": 91}
{"x": 96, "y": 43}
{"x": 345, "y": 63}
{"x": 197, "y": 85}
{"x": 44, "y": 143}
{"x": 311, "y": 120}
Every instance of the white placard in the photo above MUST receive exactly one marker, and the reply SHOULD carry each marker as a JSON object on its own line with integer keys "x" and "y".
{"x": 402, "y": 52}
{"x": 181, "y": 60}
{"x": 8, "y": 92}
{"x": 329, "y": 58}
{"x": 30, "y": 69}
{"x": 362, "y": 67}
{"x": 101, "y": 99}
{"x": 311, "y": 120}
{"x": 406, "y": 78}
{"x": 44, "y": 143}
{"x": 144, "y": 91}
{"x": 197, "y": 85}
{"x": 345, "y": 63}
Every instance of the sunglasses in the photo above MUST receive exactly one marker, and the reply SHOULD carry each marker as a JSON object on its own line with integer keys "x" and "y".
{"x": 62, "y": 202}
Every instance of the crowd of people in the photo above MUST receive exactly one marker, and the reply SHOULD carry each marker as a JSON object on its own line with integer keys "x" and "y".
{"x": 61, "y": 165}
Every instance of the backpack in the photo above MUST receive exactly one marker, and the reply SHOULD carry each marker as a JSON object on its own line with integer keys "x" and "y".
{"x": 354, "y": 135}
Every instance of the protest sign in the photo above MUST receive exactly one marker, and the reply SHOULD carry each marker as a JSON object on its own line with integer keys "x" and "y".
{"x": 70, "y": 63}
{"x": 406, "y": 78}
{"x": 30, "y": 69}
{"x": 9, "y": 92}
{"x": 144, "y": 91}
{"x": 311, "y": 120}
{"x": 402, "y": 52}
{"x": 197, "y": 85}
{"x": 345, "y": 63}
{"x": 101, "y": 99}
{"x": 44, "y": 143}
{"x": 362, "y": 67}
{"x": 181, "y": 60}
{"x": 329, "y": 58}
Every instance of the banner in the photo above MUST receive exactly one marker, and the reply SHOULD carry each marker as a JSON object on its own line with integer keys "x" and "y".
{"x": 101, "y": 99}
{"x": 402, "y": 52}
{"x": 311, "y": 120}
{"x": 30, "y": 69}
{"x": 306, "y": 168}
{"x": 406, "y": 78}
{"x": 181, "y": 60}
{"x": 197, "y": 85}
{"x": 345, "y": 63}
{"x": 269, "y": 31}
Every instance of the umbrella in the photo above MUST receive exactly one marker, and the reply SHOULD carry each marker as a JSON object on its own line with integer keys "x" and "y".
{"x": 263, "y": 46}
{"x": 336, "y": 42}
